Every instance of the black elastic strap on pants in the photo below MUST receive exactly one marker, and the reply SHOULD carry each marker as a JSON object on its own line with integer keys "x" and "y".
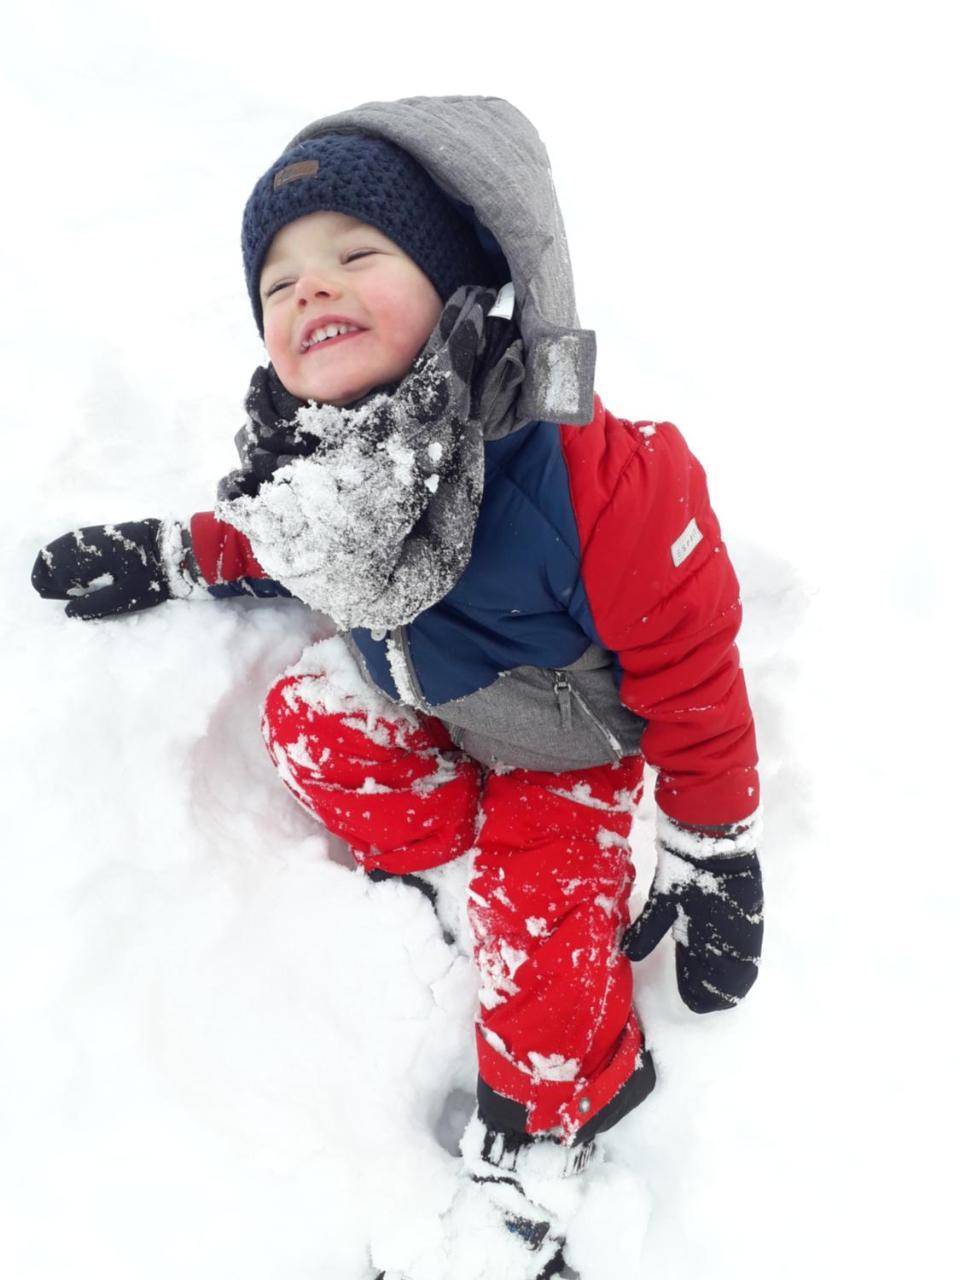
{"x": 509, "y": 1117}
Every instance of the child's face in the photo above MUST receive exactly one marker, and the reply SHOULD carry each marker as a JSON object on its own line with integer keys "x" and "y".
{"x": 330, "y": 265}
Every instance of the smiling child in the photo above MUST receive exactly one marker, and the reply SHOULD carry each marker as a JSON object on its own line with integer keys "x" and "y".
{"x": 532, "y": 599}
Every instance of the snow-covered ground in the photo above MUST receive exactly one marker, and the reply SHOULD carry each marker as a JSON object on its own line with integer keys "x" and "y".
{"x": 222, "y": 1053}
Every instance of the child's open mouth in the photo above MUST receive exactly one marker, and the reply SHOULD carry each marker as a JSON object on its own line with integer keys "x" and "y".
{"x": 328, "y": 335}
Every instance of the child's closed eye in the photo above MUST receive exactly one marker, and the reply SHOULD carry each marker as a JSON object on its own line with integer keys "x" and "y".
{"x": 352, "y": 256}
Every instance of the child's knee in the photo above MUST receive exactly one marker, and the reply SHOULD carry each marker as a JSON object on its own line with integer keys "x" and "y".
{"x": 281, "y": 702}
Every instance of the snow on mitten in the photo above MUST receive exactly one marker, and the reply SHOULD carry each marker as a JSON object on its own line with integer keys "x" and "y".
{"x": 109, "y": 569}
{"x": 708, "y": 891}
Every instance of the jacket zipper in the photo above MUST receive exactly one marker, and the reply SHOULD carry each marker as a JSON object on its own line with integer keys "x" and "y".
{"x": 564, "y": 691}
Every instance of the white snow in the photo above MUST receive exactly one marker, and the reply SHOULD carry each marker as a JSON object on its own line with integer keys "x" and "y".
{"x": 86, "y": 589}
{"x": 553, "y": 1066}
{"x": 223, "y": 1054}
{"x": 401, "y": 673}
{"x": 747, "y": 837}
{"x": 608, "y": 839}
{"x": 582, "y": 794}
{"x": 342, "y": 689}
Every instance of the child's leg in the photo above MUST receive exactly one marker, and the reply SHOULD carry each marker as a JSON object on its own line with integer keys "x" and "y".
{"x": 559, "y": 1044}
{"x": 388, "y": 782}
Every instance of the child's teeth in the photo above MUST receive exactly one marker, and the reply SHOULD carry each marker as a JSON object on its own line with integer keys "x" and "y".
{"x": 329, "y": 331}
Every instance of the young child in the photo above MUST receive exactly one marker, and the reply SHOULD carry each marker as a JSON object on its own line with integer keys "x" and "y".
{"x": 532, "y": 598}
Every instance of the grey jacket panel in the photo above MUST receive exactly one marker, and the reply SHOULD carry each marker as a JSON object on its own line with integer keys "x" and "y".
{"x": 486, "y": 153}
{"x": 537, "y": 718}
{"x": 542, "y": 718}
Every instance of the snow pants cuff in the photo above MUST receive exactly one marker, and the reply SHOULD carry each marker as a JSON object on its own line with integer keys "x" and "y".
{"x": 581, "y": 1115}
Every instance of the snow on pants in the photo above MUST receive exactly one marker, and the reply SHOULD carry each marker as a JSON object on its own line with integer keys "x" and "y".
{"x": 551, "y": 875}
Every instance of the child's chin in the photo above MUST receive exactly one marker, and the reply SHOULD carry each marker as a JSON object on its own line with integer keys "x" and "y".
{"x": 342, "y": 399}
{"x": 340, "y": 396}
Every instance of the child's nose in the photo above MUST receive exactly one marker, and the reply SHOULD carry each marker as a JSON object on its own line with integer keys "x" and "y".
{"x": 316, "y": 285}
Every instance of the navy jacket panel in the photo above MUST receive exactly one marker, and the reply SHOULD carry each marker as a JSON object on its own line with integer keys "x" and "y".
{"x": 512, "y": 605}
{"x": 373, "y": 647}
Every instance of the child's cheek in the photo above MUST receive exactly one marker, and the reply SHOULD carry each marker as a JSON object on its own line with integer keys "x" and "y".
{"x": 409, "y": 319}
{"x": 275, "y": 340}
{"x": 270, "y": 335}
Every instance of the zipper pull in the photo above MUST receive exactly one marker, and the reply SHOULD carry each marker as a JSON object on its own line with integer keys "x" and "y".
{"x": 561, "y": 691}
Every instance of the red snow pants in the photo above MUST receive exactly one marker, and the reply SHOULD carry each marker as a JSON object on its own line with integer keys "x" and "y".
{"x": 550, "y": 880}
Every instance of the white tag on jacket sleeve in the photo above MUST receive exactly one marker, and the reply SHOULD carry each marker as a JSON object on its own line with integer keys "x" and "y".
{"x": 685, "y": 543}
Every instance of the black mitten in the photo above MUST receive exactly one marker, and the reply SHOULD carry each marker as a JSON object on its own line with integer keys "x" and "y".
{"x": 104, "y": 569}
{"x": 708, "y": 891}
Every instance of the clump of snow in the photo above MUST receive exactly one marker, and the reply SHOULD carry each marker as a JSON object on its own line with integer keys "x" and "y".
{"x": 495, "y": 975}
{"x": 582, "y": 793}
{"x": 553, "y": 1066}
{"x": 86, "y": 589}
{"x": 339, "y": 688}
{"x": 370, "y": 787}
{"x": 400, "y": 670}
{"x": 446, "y": 765}
{"x": 301, "y": 754}
{"x": 674, "y": 872}
{"x": 344, "y": 688}
{"x": 608, "y": 839}
{"x": 744, "y": 837}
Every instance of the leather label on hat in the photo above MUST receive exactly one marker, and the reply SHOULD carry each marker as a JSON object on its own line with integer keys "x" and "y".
{"x": 302, "y": 169}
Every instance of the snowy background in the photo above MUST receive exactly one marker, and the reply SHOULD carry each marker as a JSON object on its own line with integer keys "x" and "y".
{"x": 222, "y": 1054}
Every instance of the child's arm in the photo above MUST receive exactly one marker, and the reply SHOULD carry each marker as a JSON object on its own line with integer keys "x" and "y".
{"x": 108, "y": 570}
{"x": 219, "y": 559}
{"x": 662, "y": 594}
{"x": 664, "y": 597}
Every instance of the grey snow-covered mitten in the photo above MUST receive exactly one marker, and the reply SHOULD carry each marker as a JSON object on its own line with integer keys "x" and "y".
{"x": 708, "y": 891}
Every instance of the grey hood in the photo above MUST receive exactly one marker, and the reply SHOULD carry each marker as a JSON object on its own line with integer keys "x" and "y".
{"x": 486, "y": 154}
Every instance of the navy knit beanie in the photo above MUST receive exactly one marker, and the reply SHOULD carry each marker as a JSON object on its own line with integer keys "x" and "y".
{"x": 371, "y": 179}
